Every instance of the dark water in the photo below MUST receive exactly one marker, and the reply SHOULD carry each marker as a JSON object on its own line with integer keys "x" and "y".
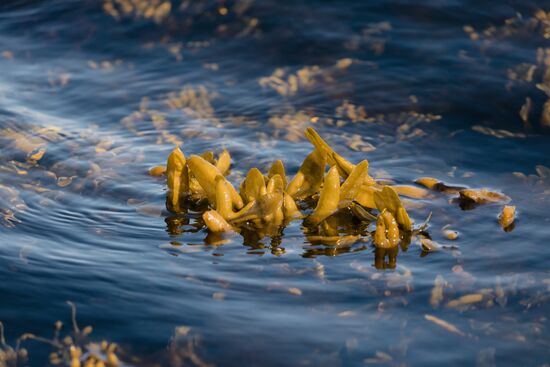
{"x": 101, "y": 96}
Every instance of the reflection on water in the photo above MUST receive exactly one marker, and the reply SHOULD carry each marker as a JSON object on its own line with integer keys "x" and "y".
{"x": 95, "y": 93}
{"x": 341, "y": 233}
{"x": 385, "y": 258}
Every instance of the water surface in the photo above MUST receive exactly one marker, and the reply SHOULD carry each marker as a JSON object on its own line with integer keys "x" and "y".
{"x": 432, "y": 89}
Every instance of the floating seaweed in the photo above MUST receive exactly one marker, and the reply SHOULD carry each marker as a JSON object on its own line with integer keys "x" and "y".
{"x": 336, "y": 206}
{"x": 467, "y": 198}
{"x": 146, "y": 9}
{"x": 10, "y": 204}
{"x": 536, "y": 74}
{"x": 267, "y": 202}
{"x": 507, "y": 216}
{"x": 444, "y": 325}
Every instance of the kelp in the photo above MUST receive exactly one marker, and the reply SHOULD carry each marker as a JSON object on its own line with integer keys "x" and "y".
{"x": 387, "y": 231}
{"x": 177, "y": 178}
{"x": 436, "y": 185}
{"x": 328, "y": 198}
{"x": 73, "y": 349}
{"x": 334, "y": 159}
{"x": 387, "y": 199}
{"x": 74, "y": 346}
{"x": 467, "y": 198}
{"x": 482, "y": 196}
{"x": 336, "y": 206}
{"x": 268, "y": 202}
{"x": 308, "y": 179}
{"x": 507, "y": 217}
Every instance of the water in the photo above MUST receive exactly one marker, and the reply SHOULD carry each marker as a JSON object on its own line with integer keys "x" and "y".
{"x": 101, "y": 96}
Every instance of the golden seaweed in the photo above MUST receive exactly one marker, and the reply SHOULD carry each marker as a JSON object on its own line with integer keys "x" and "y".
{"x": 206, "y": 174}
{"x": 507, "y": 216}
{"x": 388, "y": 199}
{"x": 465, "y": 300}
{"x": 215, "y": 222}
{"x": 278, "y": 168}
{"x": 334, "y": 159}
{"x": 209, "y": 157}
{"x": 445, "y": 325}
{"x": 344, "y": 200}
{"x": 365, "y": 196}
{"x": 308, "y": 179}
{"x": 176, "y": 176}
{"x": 335, "y": 240}
{"x": 253, "y": 186}
{"x": 483, "y": 196}
{"x": 387, "y": 231}
{"x": 329, "y": 197}
{"x": 74, "y": 349}
{"x": 224, "y": 204}
{"x": 290, "y": 209}
{"x": 275, "y": 184}
{"x": 411, "y": 191}
{"x": 157, "y": 171}
{"x": 450, "y": 234}
{"x": 436, "y": 185}
{"x": 352, "y": 185}
{"x": 223, "y": 163}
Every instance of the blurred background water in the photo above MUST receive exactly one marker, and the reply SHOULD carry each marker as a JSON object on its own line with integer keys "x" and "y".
{"x": 94, "y": 93}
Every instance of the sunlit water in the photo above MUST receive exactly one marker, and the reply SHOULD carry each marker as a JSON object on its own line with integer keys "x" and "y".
{"x": 101, "y": 97}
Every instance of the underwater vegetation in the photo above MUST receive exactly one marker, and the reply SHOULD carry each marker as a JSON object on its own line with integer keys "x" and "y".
{"x": 69, "y": 348}
{"x": 531, "y": 77}
{"x": 76, "y": 348}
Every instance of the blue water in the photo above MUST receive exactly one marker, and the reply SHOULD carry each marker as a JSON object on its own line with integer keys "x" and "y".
{"x": 86, "y": 224}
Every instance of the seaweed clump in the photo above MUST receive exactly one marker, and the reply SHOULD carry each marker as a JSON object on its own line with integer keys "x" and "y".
{"x": 73, "y": 349}
{"x": 266, "y": 202}
{"x": 336, "y": 207}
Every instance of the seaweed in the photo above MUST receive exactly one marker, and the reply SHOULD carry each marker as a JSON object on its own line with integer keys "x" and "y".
{"x": 330, "y": 204}
{"x": 336, "y": 208}
{"x": 72, "y": 349}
